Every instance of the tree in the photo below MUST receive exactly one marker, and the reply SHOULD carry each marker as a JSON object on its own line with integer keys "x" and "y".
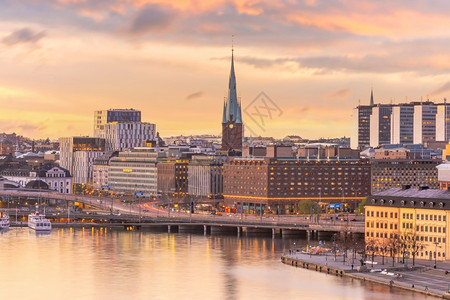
{"x": 361, "y": 207}
{"x": 383, "y": 248}
{"x": 308, "y": 207}
{"x": 371, "y": 248}
{"x": 393, "y": 244}
{"x": 413, "y": 244}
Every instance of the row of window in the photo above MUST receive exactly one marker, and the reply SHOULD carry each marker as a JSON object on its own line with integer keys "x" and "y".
{"x": 380, "y": 214}
{"x": 372, "y": 224}
{"x": 425, "y": 228}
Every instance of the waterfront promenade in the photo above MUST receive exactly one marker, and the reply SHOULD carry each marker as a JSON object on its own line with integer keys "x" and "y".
{"x": 422, "y": 277}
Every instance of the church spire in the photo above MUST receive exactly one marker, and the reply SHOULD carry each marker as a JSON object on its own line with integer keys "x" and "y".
{"x": 232, "y": 109}
{"x": 371, "y": 96}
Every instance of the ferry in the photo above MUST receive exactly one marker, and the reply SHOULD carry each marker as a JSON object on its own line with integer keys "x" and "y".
{"x": 38, "y": 222}
{"x": 4, "y": 221}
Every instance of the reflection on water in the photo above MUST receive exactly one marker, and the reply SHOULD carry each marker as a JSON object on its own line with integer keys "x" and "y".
{"x": 102, "y": 264}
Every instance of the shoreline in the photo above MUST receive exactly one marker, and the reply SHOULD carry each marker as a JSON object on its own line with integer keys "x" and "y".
{"x": 326, "y": 264}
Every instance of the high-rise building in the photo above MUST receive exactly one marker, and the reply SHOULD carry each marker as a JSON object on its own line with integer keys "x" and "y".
{"x": 361, "y": 126}
{"x": 380, "y": 125}
{"x": 424, "y": 122}
{"x": 402, "y": 124}
{"x": 127, "y": 135}
{"x": 443, "y": 122}
{"x": 102, "y": 117}
{"x": 405, "y": 123}
{"x": 232, "y": 127}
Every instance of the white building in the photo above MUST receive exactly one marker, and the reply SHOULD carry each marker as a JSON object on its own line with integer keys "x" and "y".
{"x": 57, "y": 178}
{"x": 443, "y": 122}
{"x": 121, "y": 136}
{"x": 77, "y": 155}
{"x": 134, "y": 171}
{"x": 83, "y": 166}
{"x": 380, "y": 125}
{"x": 100, "y": 171}
{"x": 205, "y": 176}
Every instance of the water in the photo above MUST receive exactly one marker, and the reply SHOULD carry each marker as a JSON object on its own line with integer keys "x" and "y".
{"x": 101, "y": 264}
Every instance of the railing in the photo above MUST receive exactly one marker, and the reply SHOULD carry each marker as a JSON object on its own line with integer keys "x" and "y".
{"x": 129, "y": 213}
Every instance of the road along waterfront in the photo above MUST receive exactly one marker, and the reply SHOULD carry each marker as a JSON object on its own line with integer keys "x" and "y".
{"x": 421, "y": 278}
{"x": 99, "y": 263}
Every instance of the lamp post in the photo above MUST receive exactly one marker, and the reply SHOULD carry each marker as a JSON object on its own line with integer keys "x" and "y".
{"x": 318, "y": 208}
{"x": 435, "y": 253}
{"x": 334, "y": 246}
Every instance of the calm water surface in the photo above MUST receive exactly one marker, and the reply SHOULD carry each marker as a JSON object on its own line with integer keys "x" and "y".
{"x": 101, "y": 264}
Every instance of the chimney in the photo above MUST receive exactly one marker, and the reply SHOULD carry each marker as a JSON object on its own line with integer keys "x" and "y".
{"x": 423, "y": 187}
{"x": 406, "y": 187}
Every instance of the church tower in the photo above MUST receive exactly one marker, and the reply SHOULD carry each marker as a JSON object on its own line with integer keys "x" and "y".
{"x": 232, "y": 127}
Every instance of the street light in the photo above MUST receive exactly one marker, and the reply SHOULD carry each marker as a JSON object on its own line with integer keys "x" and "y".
{"x": 435, "y": 253}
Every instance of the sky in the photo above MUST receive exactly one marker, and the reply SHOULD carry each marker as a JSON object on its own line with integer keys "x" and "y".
{"x": 301, "y": 66}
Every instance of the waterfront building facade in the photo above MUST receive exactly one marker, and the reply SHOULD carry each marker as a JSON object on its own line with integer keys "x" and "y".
{"x": 393, "y": 173}
{"x": 205, "y": 177}
{"x": 279, "y": 185}
{"x": 173, "y": 177}
{"x": 77, "y": 155}
{"x": 412, "y": 221}
{"x": 57, "y": 178}
{"x": 103, "y": 117}
{"x": 134, "y": 171}
{"x": 100, "y": 171}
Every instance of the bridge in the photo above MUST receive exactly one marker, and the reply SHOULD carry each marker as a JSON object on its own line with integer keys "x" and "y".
{"x": 133, "y": 216}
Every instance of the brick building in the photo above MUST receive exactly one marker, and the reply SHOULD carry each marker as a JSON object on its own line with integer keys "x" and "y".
{"x": 279, "y": 185}
{"x": 173, "y": 177}
{"x": 387, "y": 174}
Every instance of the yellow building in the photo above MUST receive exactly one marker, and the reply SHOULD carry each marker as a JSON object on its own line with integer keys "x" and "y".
{"x": 414, "y": 221}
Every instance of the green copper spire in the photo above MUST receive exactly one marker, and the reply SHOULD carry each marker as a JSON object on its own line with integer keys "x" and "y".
{"x": 232, "y": 109}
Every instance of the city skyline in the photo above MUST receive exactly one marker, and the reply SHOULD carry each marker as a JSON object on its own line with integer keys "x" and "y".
{"x": 63, "y": 60}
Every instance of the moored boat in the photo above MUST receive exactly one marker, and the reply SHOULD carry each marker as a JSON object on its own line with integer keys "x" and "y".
{"x": 38, "y": 222}
{"x": 4, "y": 221}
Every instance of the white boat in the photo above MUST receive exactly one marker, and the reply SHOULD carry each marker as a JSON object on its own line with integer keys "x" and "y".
{"x": 4, "y": 221}
{"x": 38, "y": 222}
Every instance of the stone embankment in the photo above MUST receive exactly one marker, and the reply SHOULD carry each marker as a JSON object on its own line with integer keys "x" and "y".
{"x": 422, "y": 278}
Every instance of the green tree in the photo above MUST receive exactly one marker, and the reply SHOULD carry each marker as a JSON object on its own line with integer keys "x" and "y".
{"x": 361, "y": 207}
{"x": 308, "y": 207}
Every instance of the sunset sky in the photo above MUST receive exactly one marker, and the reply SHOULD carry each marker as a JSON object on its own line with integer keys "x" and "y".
{"x": 63, "y": 59}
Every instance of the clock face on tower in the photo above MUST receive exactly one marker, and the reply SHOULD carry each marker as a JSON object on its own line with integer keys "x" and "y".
{"x": 232, "y": 136}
